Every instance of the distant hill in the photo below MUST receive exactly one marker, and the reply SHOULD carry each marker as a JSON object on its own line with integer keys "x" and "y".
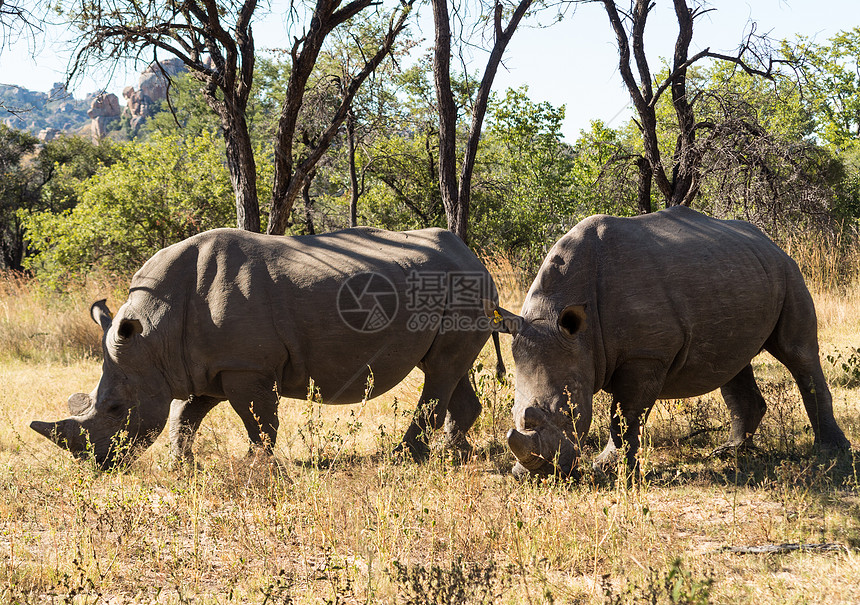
{"x": 45, "y": 114}
{"x": 37, "y": 111}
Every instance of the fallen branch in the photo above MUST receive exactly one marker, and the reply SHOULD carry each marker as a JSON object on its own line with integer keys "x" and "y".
{"x": 779, "y": 549}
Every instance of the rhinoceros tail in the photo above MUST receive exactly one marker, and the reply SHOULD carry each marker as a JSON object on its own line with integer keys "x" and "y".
{"x": 500, "y": 365}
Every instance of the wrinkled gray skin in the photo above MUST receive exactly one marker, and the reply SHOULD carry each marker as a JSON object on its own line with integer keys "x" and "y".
{"x": 238, "y": 316}
{"x": 667, "y": 305}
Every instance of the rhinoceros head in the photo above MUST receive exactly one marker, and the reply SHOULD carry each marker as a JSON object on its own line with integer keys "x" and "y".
{"x": 552, "y": 402}
{"x": 130, "y": 405}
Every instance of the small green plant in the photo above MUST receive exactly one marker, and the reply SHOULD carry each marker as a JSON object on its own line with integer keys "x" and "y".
{"x": 279, "y": 589}
{"x": 327, "y": 444}
{"x": 459, "y": 583}
{"x": 674, "y": 585}
{"x": 845, "y": 368}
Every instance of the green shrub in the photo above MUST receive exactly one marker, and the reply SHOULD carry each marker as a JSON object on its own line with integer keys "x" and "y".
{"x": 159, "y": 193}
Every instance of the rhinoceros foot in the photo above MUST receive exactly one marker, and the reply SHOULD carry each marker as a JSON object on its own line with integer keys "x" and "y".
{"x": 417, "y": 450}
{"x": 458, "y": 447}
{"x": 731, "y": 449}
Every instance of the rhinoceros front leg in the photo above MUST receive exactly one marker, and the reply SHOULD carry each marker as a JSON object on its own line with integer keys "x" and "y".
{"x": 463, "y": 410}
{"x": 185, "y": 419}
{"x": 746, "y": 407}
{"x": 635, "y": 387}
{"x": 429, "y": 415}
{"x": 255, "y": 400}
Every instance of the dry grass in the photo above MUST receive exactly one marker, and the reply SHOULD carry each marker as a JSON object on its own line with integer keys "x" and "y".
{"x": 335, "y": 520}
{"x": 39, "y": 325}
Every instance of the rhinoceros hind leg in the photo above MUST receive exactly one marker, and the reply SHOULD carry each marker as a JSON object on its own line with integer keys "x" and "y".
{"x": 746, "y": 408}
{"x": 185, "y": 419}
{"x": 446, "y": 390}
{"x": 819, "y": 407}
{"x": 795, "y": 344}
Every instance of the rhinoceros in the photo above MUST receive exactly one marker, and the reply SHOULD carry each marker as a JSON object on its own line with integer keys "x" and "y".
{"x": 668, "y": 305}
{"x": 244, "y": 317}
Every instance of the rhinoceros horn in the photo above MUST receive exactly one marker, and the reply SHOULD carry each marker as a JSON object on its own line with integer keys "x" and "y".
{"x": 66, "y": 433}
{"x": 525, "y": 448}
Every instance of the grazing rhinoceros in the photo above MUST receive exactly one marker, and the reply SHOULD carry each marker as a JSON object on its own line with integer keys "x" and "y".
{"x": 234, "y": 315}
{"x": 666, "y": 305}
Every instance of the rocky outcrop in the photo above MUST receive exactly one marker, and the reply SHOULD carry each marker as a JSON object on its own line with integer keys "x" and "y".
{"x": 48, "y": 134}
{"x": 152, "y": 90}
{"x": 36, "y": 111}
{"x": 57, "y": 110}
{"x": 104, "y": 108}
{"x": 58, "y": 92}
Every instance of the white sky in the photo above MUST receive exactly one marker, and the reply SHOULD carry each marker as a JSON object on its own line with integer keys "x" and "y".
{"x": 572, "y": 63}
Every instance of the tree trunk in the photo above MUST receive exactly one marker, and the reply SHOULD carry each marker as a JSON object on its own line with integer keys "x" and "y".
{"x": 243, "y": 173}
{"x": 457, "y": 199}
{"x": 290, "y": 175}
{"x": 353, "y": 175}
{"x": 12, "y": 246}
{"x": 644, "y": 187}
{"x": 309, "y": 206}
{"x": 684, "y": 181}
{"x": 447, "y": 120}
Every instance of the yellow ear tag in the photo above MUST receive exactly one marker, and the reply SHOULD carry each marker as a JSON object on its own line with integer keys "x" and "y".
{"x": 497, "y": 317}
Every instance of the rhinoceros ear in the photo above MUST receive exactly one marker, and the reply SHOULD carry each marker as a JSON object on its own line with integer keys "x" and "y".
{"x": 101, "y": 314}
{"x": 500, "y": 319}
{"x": 128, "y": 328}
{"x": 572, "y": 319}
{"x": 79, "y": 403}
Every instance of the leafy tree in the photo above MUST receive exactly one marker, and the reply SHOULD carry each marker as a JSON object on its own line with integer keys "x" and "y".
{"x": 185, "y": 113}
{"x": 159, "y": 193}
{"x": 846, "y": 168}
{"x": 759, "y": 159}
{"x": 832, "y": 95}
{"x": 832, "y": 84}
{"x": 402, "y": 190}
{"x": 16, "y": 192}
{"x": 63, "y": 163}
{"x": 38, "y": 176}
{"x": 214, "y": 39}
{"x": 523, "y": 194}
{"x": 401, "y": 168}
{"x": 606, "y": 171}
{"x": 676, "y": 173}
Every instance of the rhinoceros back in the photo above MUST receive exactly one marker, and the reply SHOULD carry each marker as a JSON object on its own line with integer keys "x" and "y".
{"x": 234, "y": 300}
{"x": 701, "y": 294}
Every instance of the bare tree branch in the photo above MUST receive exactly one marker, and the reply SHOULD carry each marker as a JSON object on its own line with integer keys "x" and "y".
{"x": 680, "y": 184}
{"x": 288, "y": 174}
